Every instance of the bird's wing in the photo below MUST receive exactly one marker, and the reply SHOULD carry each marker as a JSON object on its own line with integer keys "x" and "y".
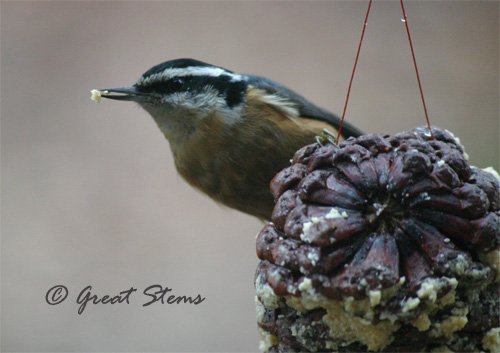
{"x": 306, "y": 109}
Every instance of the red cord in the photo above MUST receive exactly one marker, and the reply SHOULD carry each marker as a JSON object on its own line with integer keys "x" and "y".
{"x": 354, "y": 69}
{"x": 405, "y": 20}
{"x": 416, "y": 69}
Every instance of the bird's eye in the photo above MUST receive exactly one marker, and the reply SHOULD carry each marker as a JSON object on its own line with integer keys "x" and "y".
{"x": 177, "y": 84}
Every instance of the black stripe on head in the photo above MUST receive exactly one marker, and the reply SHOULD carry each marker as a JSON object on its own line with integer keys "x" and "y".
{"x": 232, "y": 91}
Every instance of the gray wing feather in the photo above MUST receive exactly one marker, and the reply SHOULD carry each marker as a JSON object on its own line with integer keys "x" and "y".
{"x": 306, "y": 109}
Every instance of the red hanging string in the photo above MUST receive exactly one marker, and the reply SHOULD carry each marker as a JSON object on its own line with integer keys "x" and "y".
{"x": 354, "y": 69}
{"x": 405, "y": 20}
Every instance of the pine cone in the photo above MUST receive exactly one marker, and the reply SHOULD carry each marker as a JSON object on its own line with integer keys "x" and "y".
{"x": 381, "y": 243}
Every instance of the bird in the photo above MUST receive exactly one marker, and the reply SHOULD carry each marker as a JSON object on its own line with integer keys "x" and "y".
{"x": 229, "y": 133}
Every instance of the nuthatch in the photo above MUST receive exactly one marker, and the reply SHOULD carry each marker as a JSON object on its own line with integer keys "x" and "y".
{"x": 229, "y": 133}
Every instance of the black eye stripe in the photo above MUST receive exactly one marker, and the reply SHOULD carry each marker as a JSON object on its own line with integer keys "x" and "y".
{"x": 232, "y": 91}
{"x": 172, "y": 85}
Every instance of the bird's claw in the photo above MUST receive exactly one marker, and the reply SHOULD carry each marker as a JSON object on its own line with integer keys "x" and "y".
{"x": 326, "y": 137}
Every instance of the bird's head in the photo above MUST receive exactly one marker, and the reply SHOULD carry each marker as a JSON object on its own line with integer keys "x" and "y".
{"x": 179, "y": 93}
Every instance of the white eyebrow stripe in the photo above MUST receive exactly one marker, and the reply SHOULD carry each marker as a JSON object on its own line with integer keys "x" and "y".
{"x": 189, "y": 71}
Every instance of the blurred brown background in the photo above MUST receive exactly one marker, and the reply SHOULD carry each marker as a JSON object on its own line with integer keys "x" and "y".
{"x": 90, "y": 195}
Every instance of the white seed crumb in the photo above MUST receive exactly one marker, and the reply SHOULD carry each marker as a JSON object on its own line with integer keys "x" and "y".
{"x": 334, "y": 213}
{"x": 431, "y": 286}
{"x": 492, "y": 259}
{"x": 440, "y": 163}
{"x": 315, "y": 220}
{"x": 305, "y": 229}
{"x": 491, "y": 340}
{"x": 267, "y": 340}
{"x": 305, "y": 284}
{"x": 96, "y": 95}
{"x": 266, "y": 295}
{"x": 410, "y": 303}
{"x": 375, "y": 297}
{"x": 428, "y": 289}
{"x": 313, "y": 257}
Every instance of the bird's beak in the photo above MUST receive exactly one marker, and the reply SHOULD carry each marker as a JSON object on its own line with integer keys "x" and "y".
{"x": 123, "y": 94}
